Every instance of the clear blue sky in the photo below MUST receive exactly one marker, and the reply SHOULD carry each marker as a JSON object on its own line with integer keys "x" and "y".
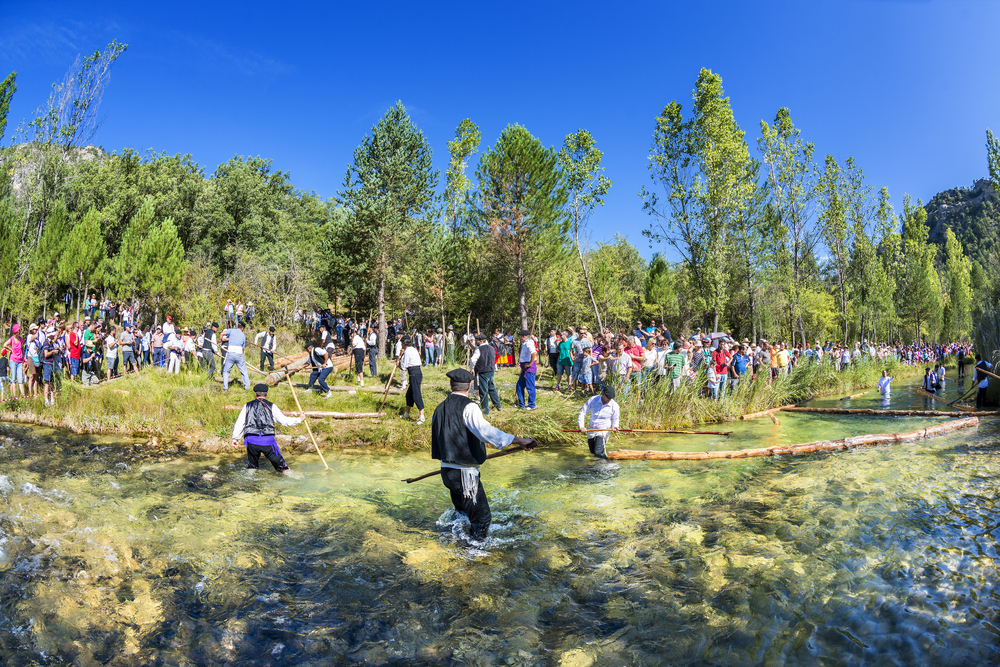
{"x": 907, "y": 88}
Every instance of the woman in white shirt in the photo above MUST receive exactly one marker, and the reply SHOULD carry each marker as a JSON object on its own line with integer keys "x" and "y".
{"x": 410, "y": 362}
{"x": 358, "y": 349}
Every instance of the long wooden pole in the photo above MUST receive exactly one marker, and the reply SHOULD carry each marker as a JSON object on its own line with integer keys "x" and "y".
{"x": 889, "y": 413}
{"x": 806, "y": 448}
{"x": 646, "y": 430}
{"x": 512, "y": 450}
{"x": 302, "y": 412}
{"x": 387, "y": 385}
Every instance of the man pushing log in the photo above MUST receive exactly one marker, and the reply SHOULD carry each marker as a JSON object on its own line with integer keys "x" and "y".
{"x": 255, "y": 425}
{"x": 604, "y": 413}
{"x": 458, "y": 436}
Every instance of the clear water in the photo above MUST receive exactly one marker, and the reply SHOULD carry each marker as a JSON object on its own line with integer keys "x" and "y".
{"x": 111, "y": 554}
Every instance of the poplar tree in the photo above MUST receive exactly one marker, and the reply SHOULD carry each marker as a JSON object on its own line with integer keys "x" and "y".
{"x": 702, "y": 163}
{"x": 47, "y": 256}
{"x": 920, "y": 296}
{"x": 387, "y": 189}
{"x": 83, "y": 256}
{"x": 586, "y": 185}
{"x": 788, "y": 161}
{"x": 457, "y": 184}
{"x": 519, "y": 207}
{"x": 958, "y": 270}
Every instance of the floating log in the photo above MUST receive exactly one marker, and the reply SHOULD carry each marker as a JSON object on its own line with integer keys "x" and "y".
{"x": 352, "y": 389}
{"x": 764, "y": 413}
{"x": 847, "y": 398}
{"x": 958, "y": 406}
{"x": 320, "y": 414}
{"x": 889, "y": 413}
{"x": 645, "y": 430}
{"x": 806, "y": 448}
{"x": 777, "y": 422}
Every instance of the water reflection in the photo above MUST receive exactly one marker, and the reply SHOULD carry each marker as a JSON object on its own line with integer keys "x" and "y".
{"x": 112, "y": 554}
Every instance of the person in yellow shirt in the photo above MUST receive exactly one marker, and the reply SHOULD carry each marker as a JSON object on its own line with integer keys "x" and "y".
{"x": 782, "y": 358}
{"x": 774, "y": 360}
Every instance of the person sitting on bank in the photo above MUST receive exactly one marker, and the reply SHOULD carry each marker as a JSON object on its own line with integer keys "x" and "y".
{"x": 255, "y": 425}
{"x": 458, "y": 434}
{"x": 604, "y": 414}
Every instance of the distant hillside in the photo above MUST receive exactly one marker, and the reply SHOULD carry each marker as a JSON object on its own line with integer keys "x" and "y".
{"x": 972, "y": 213}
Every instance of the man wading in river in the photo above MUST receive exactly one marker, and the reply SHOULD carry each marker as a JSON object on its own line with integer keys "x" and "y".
{"x": 604, "y": 414}
{"x": 458, "y": 434}
{"x": 256, "y": 426}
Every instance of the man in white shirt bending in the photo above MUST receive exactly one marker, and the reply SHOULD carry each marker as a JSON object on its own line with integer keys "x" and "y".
{"x": 604, "y": 415}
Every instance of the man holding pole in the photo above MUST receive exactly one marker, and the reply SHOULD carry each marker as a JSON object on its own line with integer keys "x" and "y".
{"x": 255, "y": 425}
{"x": 604, "y": 414}
{"x": 982, "y": 378}
{"x": 268, "y": 346}
{"x": 458, "y": 434}
{"x": 528, "y": 360}
{"x": 234, "y": 356}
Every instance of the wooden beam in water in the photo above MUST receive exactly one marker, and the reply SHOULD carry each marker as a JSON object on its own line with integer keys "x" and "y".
{"x": 805, "y": 448}
{"x": 868, "y": 412}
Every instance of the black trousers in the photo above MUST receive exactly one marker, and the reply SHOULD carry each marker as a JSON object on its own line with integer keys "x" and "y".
{"x": 554, "y": 360}
{"x": 488, "y": 392}
{"x": 478, "y": 512}
{"x": 596, "y": 444}
{"x": 211, "y": 363}
{"x": 980, "y": 397}
{"x": 266, "y": 356}
{"x": 273, "y": 454}
{"x": 359, "y": 360}
{"x": 413, "y": 396}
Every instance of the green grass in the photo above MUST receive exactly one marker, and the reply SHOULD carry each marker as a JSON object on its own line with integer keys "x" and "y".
{"x": 183, "y": 408}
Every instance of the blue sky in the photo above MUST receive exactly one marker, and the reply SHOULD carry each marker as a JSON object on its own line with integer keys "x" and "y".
{"x": 907, "y": 88}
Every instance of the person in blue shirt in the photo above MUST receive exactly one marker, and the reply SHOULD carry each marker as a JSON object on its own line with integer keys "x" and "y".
{"x": 738, "y": 366}
{"x": 234, "y": 356}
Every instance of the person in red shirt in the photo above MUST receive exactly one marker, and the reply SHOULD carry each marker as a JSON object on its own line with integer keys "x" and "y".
{"x": 636, "y": 351}
{"x": 75, "y": 342}
{"x": 721, "y": 357}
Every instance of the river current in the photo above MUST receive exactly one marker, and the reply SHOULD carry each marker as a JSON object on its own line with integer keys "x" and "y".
{"x": 112, "y": 555}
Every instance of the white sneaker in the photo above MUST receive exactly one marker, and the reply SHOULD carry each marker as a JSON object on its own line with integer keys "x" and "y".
{"x": 420, "y": 421}
{"x": 328, "y": 394}
{"x": 362, "y": 383}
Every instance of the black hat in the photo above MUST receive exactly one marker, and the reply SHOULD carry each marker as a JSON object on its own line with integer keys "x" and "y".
{"x": 215, "y": 325}
{"x": 460, "y": 375}
{"x": 260, "y": 388}
{"x": 525, "y": 332}
{"x": 480, "y": 336}
{"x": 608, "y": 391}
{"x": 406, "y": 340}
{"x": 271, "y": 329}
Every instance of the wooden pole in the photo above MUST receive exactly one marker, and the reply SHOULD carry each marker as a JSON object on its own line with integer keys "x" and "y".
{"x": 764, "y": 413}
{"x": 806, "y": 448}
{"x": 320, "y": 414}
{"x": 387, "y": 385}
{"x": 847, "y": 398}
{"x": 645, "y": 430}
{"x": 889, "y": 413}
{"x": 512, "y": 450}
{"x": 299, "y": 406}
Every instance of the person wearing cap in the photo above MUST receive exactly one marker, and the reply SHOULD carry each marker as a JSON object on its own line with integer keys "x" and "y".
{"x": 268, "y": 344}
{"x": 449, "y": 345}
{"x": 410, "y": 362}
{"x": 230, "y": 316}
{"x": 371, "y": 347}
{"x": 47, "y": 354}
{"x": 208, "y": 347}
{"x": 255, "y": 424}
{"x": 459, "y": 434}
{"x": 528, "y": 360}
{"x": 484, "y": 366}
{"x": 168, "y": 327}
{"x": 605, "y": 414}
{"x": 236, "y": 340}
{"x": 32, "y": 365}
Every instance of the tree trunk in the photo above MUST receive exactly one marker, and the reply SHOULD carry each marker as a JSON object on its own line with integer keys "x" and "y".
{"x": 522, "y": 297}
{"x": 380, "y": 302}
{"x": 586, "y": 278}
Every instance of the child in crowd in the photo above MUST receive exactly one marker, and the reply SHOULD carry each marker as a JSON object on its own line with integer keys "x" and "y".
{"x": 586, "y": 375}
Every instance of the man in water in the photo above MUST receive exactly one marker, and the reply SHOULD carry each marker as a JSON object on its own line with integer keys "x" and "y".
{"x": 982, "y": 378}
{"x": 256, "y": 426}
{"x": 234, "y": 356}
{"x": 885, "y": 383}
{"x": 458, "y": 434}
{"x": 604, "y": 414}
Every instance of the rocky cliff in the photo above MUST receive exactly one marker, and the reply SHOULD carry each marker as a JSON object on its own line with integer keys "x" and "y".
{"x": 972, "y": 213}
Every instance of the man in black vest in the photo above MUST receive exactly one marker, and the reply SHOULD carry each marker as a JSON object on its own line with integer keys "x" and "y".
{"x": 208, "y": 347}
{"x": 256, "y": 426}
{"x": 483, "y": 363}
{"x": 982, "y": 378}
{"x": 458, "y": 434}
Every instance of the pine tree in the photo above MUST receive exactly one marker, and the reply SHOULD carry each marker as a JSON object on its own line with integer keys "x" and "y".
{"x": 47, "y": 256}
{"x": 7, "y": 90}
{"x": 161, "y": 264}
{"x": 83, "y": 256}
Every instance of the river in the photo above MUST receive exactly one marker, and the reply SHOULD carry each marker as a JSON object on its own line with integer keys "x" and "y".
{"x": 111, "y": 555}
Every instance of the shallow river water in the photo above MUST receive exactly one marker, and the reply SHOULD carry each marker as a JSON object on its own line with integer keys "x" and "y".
{"x": 880, "y": 556}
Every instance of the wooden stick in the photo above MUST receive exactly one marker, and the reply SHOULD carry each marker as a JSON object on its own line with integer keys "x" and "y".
{"x": 966, "y": 396}
{"x": 847, "y": 398}
{"x": 764, "y": 413}
{"x": 320, "y": 414}
{"x": 889, "y": 413}
{"x": 387, "y": 385}
{"x": 249, "y": 366}
{"x": 777, "y": 422}
{"x": 512, "y": 450}
{"x": 646, "y": 430}
{"x": 806, "y": 448}
{"x": 299, "y": 406}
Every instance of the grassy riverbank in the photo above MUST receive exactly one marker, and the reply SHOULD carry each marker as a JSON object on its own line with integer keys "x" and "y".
{"x": 191, "y": 409}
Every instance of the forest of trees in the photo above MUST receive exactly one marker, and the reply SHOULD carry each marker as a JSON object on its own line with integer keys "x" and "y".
{"x": 770, "y": 239}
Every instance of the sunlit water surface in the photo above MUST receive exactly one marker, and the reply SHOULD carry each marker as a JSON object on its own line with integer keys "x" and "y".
{"x": 110, "y": 554}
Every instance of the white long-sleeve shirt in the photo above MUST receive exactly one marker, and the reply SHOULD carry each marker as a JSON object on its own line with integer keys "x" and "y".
{"x": 472, "y": 417}
{"x": 270, "y": 341}
{"x": 601, "y": 415}
{"x": 410, "y": 358}
{"x": 279, "y": 418}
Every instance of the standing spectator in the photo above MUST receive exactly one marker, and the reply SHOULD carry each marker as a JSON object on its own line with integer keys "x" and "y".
{"x": 371, "y": 345}
{"x": 239, "y": 312}
{"x": 111, "y": 352}
{"x": 127, "y": 352}
{"x": 90, "y": 368}
{"x": 268, "y": 343}
{"x": 157, "y": 340}
{"x": 75, "y": 344}
{"x": 528, "y": 360}
{"x": 450, "y": 346}
{"x": 358, "y": 350}
{"x": 552, "y": 347}
{"x": 230, "y": 314}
